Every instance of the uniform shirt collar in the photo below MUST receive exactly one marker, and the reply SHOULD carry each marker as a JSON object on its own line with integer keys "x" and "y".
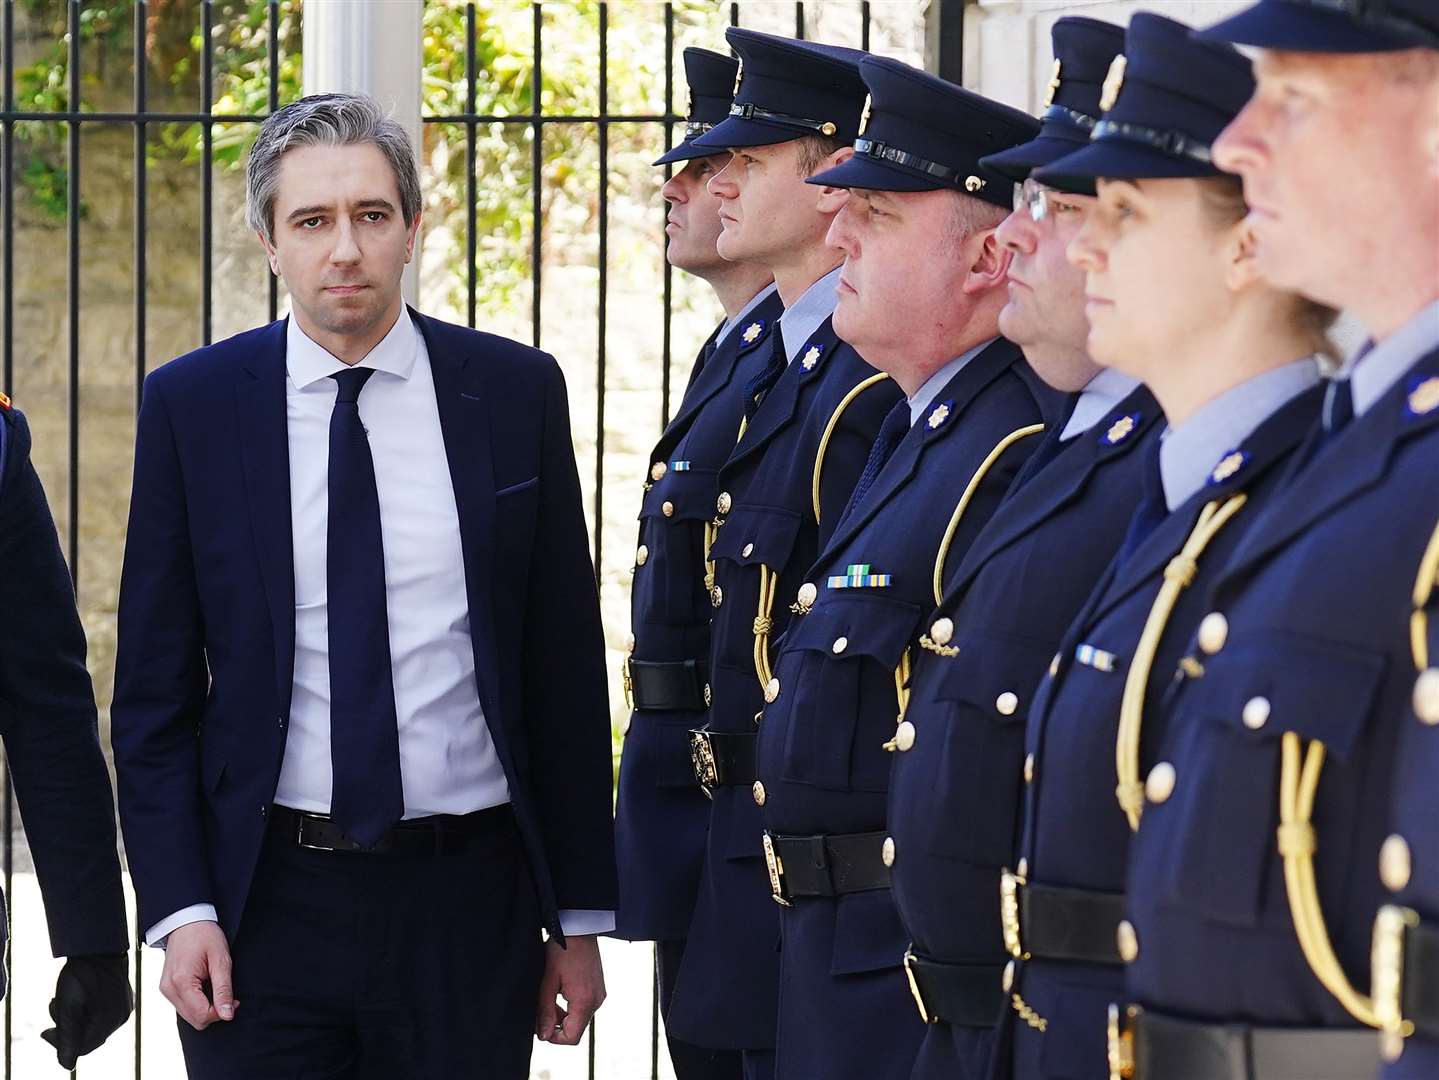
{"x": 802, "y": 318}
{"x": 755, "y": 301}
{"x": 1377, "y": 367}
{"x": 920, "y": 401}
{"x": 1103, "y": 393}
{"x": 1190, "y": 451}
{"x": 307, "y": 362}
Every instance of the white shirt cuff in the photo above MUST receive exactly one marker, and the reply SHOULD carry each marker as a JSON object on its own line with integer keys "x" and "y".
{"x": 157, "y": 934}
{"x": 579, "y": 922}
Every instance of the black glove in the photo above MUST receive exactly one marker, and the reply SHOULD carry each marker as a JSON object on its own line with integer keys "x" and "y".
{"x": 92, "y": 1000}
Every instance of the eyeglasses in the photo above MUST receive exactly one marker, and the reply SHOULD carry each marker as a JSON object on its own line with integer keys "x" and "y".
{"x": 1033, "y": 197}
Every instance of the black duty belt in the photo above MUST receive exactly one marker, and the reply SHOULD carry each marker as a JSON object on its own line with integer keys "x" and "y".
{"x": 1048, "y": 922}
{"x": 442, "y": 834}
{"x": 966, "y": 995}
{"x": 824, "y": 865}
{"x": 1149, "y": 1046}
{"x": 723, "y": 758}
{"x": 674, "y": 685}
{"x": 1405, "y": 981}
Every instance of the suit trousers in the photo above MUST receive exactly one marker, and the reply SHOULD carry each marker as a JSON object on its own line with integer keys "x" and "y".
{"x": 379, "y": 967}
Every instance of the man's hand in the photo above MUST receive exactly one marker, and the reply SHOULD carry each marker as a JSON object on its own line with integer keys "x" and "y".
{"x": 196, "y": 979}
{"x": 575, "y": 974}
{"x": 92, "y": 999}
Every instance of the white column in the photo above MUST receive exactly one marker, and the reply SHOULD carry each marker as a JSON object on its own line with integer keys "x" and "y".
{"x": 371, "y": 47}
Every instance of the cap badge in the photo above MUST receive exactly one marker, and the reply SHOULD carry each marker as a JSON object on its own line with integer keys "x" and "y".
{"x": 975, "y": 183}
{"x": 738, "y": 77}
{"x": 864, "y": 115}
{"x": 1120, "y": 429}
{"x": 1053, "y": 87}
{"x": 1228, "y": 465}
{"x": 752, "y": 332}
{"x": 938, "y": 416}
{"x": 859, "y": 576}
{"x": 1113, "y": 82}
{"x": 1424, "y": 397}
{"x": 811, "y": 357}
{"x": 827, "y": 128}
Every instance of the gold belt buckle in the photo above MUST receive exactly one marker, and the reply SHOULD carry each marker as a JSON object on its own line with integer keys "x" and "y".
{"x": 1387, "y": 960}
{"x": 1009, "y": 883}
{"x": 775, "y": 865}
{"x": 702, "y": 757}
{"x": 914, "y": 987}
{"x": 1121, "y": 1043}
{"x": 628, "y": 683}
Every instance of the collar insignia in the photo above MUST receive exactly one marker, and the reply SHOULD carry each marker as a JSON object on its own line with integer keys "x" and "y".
{"x": 1113, "y": 83}
{"x": 811, "y": 357}
{"x": 1228, "y": 466}
{"x": 1121, "y": 429}
{"x": 752, "y": 332}
{"x": 939, "y": 415}
{"x": 1053, "y": 87}
{"x": 1424, "y": 396}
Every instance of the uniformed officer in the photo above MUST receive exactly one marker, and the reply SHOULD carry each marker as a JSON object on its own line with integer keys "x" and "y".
{"x": 810, "y": 419}
{"x": 955, "y": 783}
{"x": 923, "y": 282}
{"x": 52, "y": 748}
{"x": 1252, "y": 888}
{"x": 661, "y": 816}
{"x": 1175, "y": 299}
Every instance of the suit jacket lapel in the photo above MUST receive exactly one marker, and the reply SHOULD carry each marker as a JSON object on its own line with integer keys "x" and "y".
{"x": 265, "y": 462}
{"x": 715, "y": 376}
{"x": 782, "y": 402}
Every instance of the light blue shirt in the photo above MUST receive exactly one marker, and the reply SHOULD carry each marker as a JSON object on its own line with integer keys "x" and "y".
{"x": 802, "y": 318}
{"x": 1374, "y": 369}
{"x": 1190, "y": 451}
{"x": 730, "y": 324}
{"x": 1103, "y": 393}
{"x": 919, "y": 403}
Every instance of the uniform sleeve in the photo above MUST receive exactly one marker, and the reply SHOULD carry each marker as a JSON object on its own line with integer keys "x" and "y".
{"x": 47, "y": 709}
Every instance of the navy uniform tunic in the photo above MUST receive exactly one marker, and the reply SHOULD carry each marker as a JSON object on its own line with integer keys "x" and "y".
{"x": 726, "y": 991}
{"x": 955, "y": 788}
{"x": 1075, "y": 834}
{"x": 661, "y": 816}
{"x": 1314, "y": 672}
{"x": 844, "y": 1011}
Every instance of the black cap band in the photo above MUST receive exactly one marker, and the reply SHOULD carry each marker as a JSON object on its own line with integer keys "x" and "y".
{"x": 1377, "y": 15}
{"x": 1173, "y": 143}
{"x": 754, "y": 112}
{"x": 695, "y": 128}
{"x": 896, "y": 156}
{"x": 1073, "y": 116}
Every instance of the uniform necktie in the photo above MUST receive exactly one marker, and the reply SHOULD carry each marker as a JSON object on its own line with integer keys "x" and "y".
{"x": 1338, "y": 407}
{"x": 1049, "y": 446}
{"x": 1152, "y": 509}
{"x": 764, "y": 382}
{"x": 891, "y": 433}
{"x": 364, "y": 735}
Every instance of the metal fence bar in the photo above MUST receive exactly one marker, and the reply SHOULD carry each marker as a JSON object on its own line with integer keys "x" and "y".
{"x": 207, "y": 170}
{"x": 7, "y": 209}
{"x": 272, "y": 12}
{"x": 72, "y": 238}
{"x": 537, "y": 137}
{"x": 668, "y": 300}
{"x": 471, "y": 165}
{"x": 141, "y": 181}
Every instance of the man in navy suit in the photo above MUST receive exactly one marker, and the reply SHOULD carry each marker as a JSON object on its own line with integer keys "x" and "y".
{"x": 360, "y": 722}
{"x": 52, "y": 748}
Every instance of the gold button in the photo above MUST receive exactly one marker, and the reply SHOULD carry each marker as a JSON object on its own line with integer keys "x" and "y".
{"x": 1007, "y": 979}
{"x": 1213, "y": 632}
{"x": 709, "y": 695}
{"x": 1007, "y": 702}
{"x": 1128, "y": 941}
{"x": 1022, "y": 870}
{"x": 807, "y": 595}
{"x": 771, "y": 690}
{"x": 840, "y": 644}
{"x": 758, "y": 792}
{"x": 625, "y": 725}
{"x": 748, "y": 551}
{"x": 667, "y": 508}
{"x": 630, "y": 642}
{"x": 904, "y": 736}
{"x": 1160, "y": 783}
{"x": 642, "y": 556}
{"x": 886, "y": 853}
{"x": 658, "y": 470}
{"x": 724, "y": 502}
{"x": 1256, "y": 713}
{"x": 716, "y": 596}
{"x": 1426, "y": 697}
{"x": 1394, "y": 863}
{"x": 942, "y": 631}
{"x": 1029, "y": 768}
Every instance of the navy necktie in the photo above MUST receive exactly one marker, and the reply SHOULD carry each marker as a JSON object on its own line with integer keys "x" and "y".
{"x": 891, "y": 433}
{"x": 1338, "y": 407}
{"x": 764, "y": 382}
{"x": 1152, "y": 509}
{"x": 367, "y": 798}
{"x": 1049, "y": 446}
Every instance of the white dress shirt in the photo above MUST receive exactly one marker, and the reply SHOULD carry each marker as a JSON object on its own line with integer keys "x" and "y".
{"x": 802, "y": 318}
{"x": 924, "y": 397}
{"x": 754, "y": 302}
{"x": 1102, "y": 393}
{"x": 448, "y": 762}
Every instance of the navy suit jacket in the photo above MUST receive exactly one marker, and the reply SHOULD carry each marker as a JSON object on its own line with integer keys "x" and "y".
{"x": 47, "y": 719}
{"x": 207, "y": 622}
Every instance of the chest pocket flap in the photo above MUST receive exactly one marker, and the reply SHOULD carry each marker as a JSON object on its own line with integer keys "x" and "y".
{"x": 689, "y": 494}
{"x": 864, "y": 624}
{"x": 998, "y": 677}
{"x": 755, "y": 535}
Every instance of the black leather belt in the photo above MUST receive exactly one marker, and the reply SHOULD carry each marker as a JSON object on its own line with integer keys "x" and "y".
{"x": 966, "y": 995}
{"x": 675, "y": 685}
{"x": 824, "y": 865}
{"x": 723, "y": 758}
{"x": 1053, "y": 923}
{"x": 1149, "y": 1046}
{"x": 1405, "y": 979}
{"x": 442, "y": 834}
